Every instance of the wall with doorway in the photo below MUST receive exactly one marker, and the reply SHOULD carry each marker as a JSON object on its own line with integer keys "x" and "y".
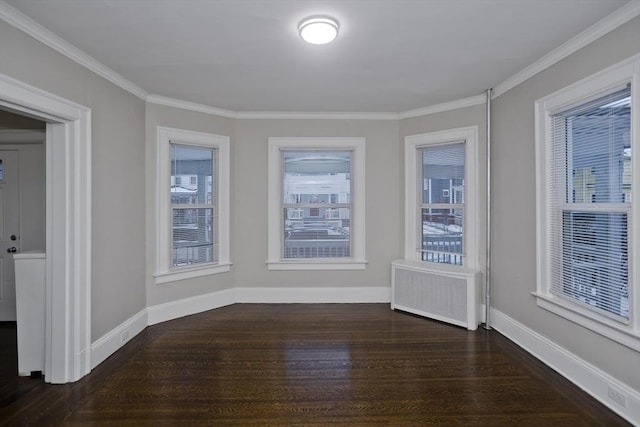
{"x": 117, "y": 171}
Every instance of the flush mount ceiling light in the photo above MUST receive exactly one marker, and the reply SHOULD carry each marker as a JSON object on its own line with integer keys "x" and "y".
{"x": 318, "y": 30}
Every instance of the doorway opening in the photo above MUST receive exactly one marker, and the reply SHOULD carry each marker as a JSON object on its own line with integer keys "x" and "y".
{"x": 67, "y": 225}
{"x": 22, "y": 231}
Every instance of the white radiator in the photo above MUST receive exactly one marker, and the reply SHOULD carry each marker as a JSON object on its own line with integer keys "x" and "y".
{"x": 452, "y": 297}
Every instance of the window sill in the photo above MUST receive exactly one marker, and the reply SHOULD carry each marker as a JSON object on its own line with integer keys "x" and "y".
{"x": 317, "y": 265}
{"x": 622, "y": 334}
{"x": 432, "y": 267}
{"x": 190, "y": 273}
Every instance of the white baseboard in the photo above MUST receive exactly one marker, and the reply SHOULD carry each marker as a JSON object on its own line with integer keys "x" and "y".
{"x": 318, "y": 295}
{"x": 188, "y": 306}
{"x": 110, "y": 342}
{"x": 617, "y": 396}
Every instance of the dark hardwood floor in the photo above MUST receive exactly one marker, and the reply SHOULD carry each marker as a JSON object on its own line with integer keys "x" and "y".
{"x": 293, "y": 364}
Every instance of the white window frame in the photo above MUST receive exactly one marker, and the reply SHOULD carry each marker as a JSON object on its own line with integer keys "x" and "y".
{"x": 164, "y": 273}
{"x": 578, "y": 93}
{"x": 412, "y": 229}
{"x": 357, "y": 260}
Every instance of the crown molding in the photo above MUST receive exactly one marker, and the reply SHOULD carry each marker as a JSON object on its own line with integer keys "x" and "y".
{"x": 445, "y": 106}
{"x": 609, "y": 23}
{"x": 14, "y": 17}
{"x": 191, "y": 106}
{"x": 266, "y": 115}
{"x": 311, "y": 115}
{"x": 22, "y": 22}
{"x": 303, "y": 115}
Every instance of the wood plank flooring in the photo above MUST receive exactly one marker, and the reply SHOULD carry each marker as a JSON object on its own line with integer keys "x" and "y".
{"x": 301, "y": 365}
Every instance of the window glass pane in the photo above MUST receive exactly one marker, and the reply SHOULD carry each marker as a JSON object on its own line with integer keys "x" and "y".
{"x": 442, "y": 231}
{"x": 192, "y": 175}
{"x": 316, "y": 233}
{"x": 443, "y": 174}
{"x": 599, "y": 150}
{"x": 316, "y": 177}
{"x": 591, "y": 164}
{"x": 595, "y": 260}
{"x": 194, "y": 241}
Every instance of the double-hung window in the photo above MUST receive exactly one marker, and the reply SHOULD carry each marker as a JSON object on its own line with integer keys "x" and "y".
{"x": 316, "y": 203}
{"x": 587, "y": 145}
{"x": 441, "y": 185}
{"x": 193, "y": 204}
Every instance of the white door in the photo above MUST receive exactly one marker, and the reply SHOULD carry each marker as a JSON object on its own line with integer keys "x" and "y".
{"x": 9, "y": 232}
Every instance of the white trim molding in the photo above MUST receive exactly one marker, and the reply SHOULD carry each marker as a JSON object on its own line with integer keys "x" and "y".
{"x": 266, "y": 295}
{"x": 165, "y": 136}
{"x": 445, "y": 106}
{"x": 68, "y": 226}
{"x": 357, "y": 260}
{"x": 113, "y": 340}
{"x": 471, "y": 191}
{"x": 22, "y": 22}
{"x": 614, "y": 394}
{"x": 313, "y": 295}
{"x": 14, "y": 17}
{"x": 190, "y": 106}
{"x": 315, "y": 115}
{"x": 609, "y": 23}
{"x": 277, "y": 115}
{"x": 188, "y": 306}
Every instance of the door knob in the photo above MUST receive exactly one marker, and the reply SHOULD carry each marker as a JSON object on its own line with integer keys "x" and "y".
{"x": 12, "y": 250}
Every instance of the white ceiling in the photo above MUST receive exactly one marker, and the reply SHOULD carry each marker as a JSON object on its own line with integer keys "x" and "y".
{"x": 246, "y": 55}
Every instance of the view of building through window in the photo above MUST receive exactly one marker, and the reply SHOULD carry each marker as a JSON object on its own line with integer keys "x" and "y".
{"x": 316, "y": 205}
{"x": 592, "y": 152}
{"x": 194, "y": 236}
{"x": 442, "y": 203}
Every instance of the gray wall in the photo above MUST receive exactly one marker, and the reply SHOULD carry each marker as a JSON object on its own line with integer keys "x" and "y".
{"x": 383, "y": 220}
{"x": 463, "y": 117}
{"x": 158, "y": 115}
{"x": 118, "y": 191}
{"x": 513, "y": 205}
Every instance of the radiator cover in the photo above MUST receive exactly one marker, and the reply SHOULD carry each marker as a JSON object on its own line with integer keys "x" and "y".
{"x": 437, "y": 293}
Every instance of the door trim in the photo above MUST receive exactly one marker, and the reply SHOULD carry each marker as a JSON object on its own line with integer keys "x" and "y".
{"x": 68, "y": 226}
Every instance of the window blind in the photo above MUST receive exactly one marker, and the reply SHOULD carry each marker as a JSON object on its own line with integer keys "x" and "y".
{"x": 590, "y": 203}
